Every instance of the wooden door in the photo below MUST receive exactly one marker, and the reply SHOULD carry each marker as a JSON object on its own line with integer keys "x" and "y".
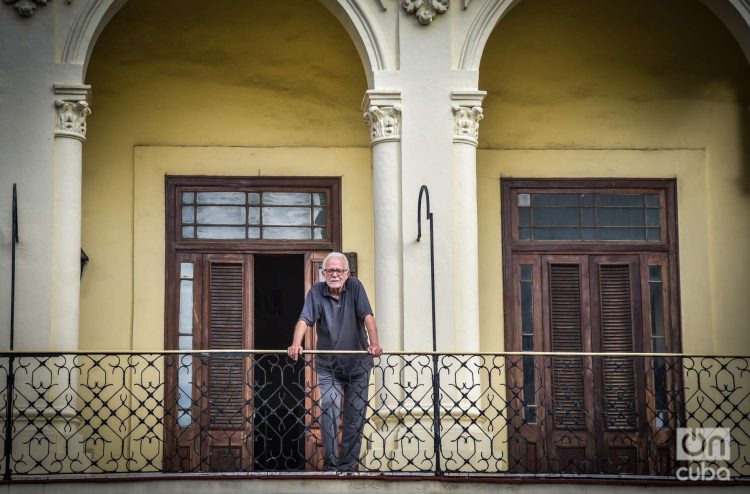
{"x": 209, "y": 426}
{"x": 591, "y": 414}
{"x": 313, "y": 438}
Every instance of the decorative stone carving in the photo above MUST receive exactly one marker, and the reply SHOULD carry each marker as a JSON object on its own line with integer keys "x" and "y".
{"x": 71, "y": 119}
{"x": 384, "y": 122}
{"x": 26, "y": 8}
{"x": 466, "y": 123}
{"x": 425, "y": 10}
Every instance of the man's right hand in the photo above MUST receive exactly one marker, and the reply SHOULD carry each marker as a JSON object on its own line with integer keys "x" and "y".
{"x": 294, "y": 351}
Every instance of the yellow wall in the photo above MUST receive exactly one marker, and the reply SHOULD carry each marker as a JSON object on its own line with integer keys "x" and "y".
{"x": 585, "y": 88}
{"x": 212, "y": 82}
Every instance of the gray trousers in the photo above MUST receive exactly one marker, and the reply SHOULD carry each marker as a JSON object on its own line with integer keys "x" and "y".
{"x": 354, "y": 391}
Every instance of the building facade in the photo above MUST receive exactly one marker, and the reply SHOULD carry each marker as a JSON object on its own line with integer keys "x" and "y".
{"x": 596, "y": 145}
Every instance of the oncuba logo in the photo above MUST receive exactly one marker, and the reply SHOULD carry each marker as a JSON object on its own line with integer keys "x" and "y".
{"x": 700, "y": 445}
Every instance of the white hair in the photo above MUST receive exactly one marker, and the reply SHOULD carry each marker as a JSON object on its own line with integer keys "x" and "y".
{"x": 336, "y": 255}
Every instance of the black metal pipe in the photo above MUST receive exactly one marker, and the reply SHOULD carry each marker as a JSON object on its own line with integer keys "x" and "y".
{"x": 435, "y": 373}
{"x": 13, "y": 242}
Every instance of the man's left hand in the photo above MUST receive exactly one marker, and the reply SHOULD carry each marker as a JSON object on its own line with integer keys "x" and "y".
{"x": 375, "y": 350}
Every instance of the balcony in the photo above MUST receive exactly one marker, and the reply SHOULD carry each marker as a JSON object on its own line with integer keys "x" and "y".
{"x": 516, "y": 416}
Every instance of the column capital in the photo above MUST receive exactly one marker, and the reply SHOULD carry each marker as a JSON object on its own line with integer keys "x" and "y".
{"x": 72, "y": 109}
{"x": 467, "y": 112}
{"x": 382, "y": 112}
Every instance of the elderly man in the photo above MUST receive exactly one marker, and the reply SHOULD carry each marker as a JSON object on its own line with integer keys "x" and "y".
{"x": 345, "y": 321}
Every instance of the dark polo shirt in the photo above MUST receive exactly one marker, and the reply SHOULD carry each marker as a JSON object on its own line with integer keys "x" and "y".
{"x": 340, "y": 325}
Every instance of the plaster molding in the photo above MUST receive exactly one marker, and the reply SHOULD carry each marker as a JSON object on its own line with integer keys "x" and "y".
{"x": 425, "y": 10}
{"x": 71, "y": 119}
{"x": 384, "y": 122}
{"x": 467, "y": 112}
{"x": 27, "y": 8}
{"x": 382, "y": 112}
{"x": 466, "y": 123}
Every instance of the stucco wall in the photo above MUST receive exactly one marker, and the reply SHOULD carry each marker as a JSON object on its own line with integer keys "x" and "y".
{"x": 277, "y": 75}
{"x": 577, "y": 88}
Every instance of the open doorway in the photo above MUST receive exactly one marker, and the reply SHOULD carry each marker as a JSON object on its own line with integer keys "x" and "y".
{"x": 279, "y": 438}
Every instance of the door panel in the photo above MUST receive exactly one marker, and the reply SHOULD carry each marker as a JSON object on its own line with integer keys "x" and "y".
{"x": 211, "y": 415}
{"x": 313, "y": 438}
{"x": 611, "y": 414}
{"x": 228, "y": 322}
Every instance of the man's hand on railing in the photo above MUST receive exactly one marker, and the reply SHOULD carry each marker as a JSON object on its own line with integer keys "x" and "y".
{"x": 375, "y": 350}
{"x": 294, "y": 351}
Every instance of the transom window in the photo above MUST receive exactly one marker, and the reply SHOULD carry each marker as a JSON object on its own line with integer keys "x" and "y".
{"x": 269, "y": 215}
{"x": 602, "y": 212}
{"x": 254, "y": 212}
{"x": 589, "y": 216}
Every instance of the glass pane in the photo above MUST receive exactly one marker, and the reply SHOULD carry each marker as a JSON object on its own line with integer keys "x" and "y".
{"x": 652, "y": 217}
{"x": 620, "y": 216}
{"x": 286, "y": 198}
{"x": 554, "y": 199}
{"x": 188, "y": 232}
{"x": 527, "y": 343}
{"x": 253, "y": 198}
{"x": 253, "y": 233}
{"x": 588, "y": 217}
{"x": 188, "y": 197}
{"x": 660, "y": 391}
{"x": 524, "y": 234}
{"x": 632, "y": 200}
{"x": 186, "y": 270}
{"x": 527, "y": 309}
{"x": 653, "y": 234}
{"x": 524, "y": 216}
{"x": 529, "y": 394}
{"x": 221, "y": 198}
{"x": 652, "y": 200}
{"x": 221, "y": 232}
{"x": 320, "y": 216}
{"x": 320, "y": 199}
{"x": 526, "y": 272}
{"x": 286, "y": 233}
{"x": 621, "y": 233}
{"x": 654, "y": 273}
{"x": 524, "y": 200}
{"x": 587, "y": 199}
{"x": 186, "y": 306}
{"x": 657, "y": 306}
{"x": 253, "y": 216}
{"x": 588, "y": 233}
{"x": 556, "y": 216}
{"x": 286, "y": 216}
{"x": 186, "y": 343}
{"x": 187, "y": 214}
{"x": 319, "y": 234}
{"x": 557, "y": 233}
{"x": 185, "y": 385}
{"x": 221, "y": 215}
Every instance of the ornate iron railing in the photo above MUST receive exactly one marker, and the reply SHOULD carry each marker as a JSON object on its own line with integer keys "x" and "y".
{"x": 511, "y": 414}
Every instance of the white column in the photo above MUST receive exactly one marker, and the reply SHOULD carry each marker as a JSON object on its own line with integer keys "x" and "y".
{"x": 467, "y": 113}
{"x": 70, "y": 132}
{"x": 382, "y": 112}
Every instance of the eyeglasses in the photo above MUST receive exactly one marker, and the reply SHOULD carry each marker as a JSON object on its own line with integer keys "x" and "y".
{"x": 338, "y": 272}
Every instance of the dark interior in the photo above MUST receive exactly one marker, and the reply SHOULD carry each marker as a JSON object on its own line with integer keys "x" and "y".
{"x": 279, "y": 383}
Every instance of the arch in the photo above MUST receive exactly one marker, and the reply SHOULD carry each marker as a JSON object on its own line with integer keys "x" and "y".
{"x": 88, "y": 25}
{"x": 734, "y": 14}
{"x": 359, "y": 22}
{"x": 354, "y": 15}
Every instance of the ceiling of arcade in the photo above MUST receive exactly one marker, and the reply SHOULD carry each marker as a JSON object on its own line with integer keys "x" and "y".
{"x": 586, "y": 73}
{"x": 191, "y": 72}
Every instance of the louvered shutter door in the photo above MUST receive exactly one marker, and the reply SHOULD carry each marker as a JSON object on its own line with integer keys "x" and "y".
{"x": 226, "y": 328}
{"x": 617, "y": 336}
{"x": 566, "y": 336}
